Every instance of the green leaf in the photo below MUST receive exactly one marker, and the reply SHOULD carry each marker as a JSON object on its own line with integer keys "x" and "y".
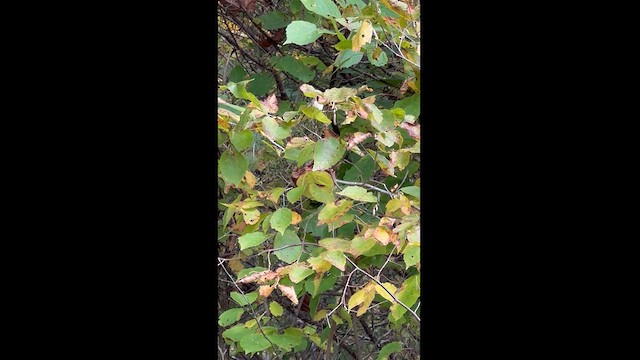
{"x": 281, "y": 219}
{"x": 339, "y": 94}
{"x": 262, "y": 83}
{"x": 230, "y": 316}
{"x": 315, "y": 113}
{"x": 336, "y": 258}
{"x": 411, "y": 105}
{"x": 408, "y": 294}
{"x": 286, "y": 342}
{"x": 360, "y": 245}
{"x": 275, "y": 308}
{"x": 295, "y": 5}
{"x": 239, "y": 90}
{"x": 242, "y": 140}
{"x": 306, "y": 154}
{"x": 237, "y": 74}
{"x": 289, "y": 254}
{"x": 294, "y": 194}
{"x": 252, "y": 239}
{"x": 303, "y": 33}
{"x": 299, "y": 273}
{"x": 275, "y": 130}
{"x": 348, "y": 58}
{"x": 335, "y": 244}
{"x": 237, "y": 332}
{"x": 325, "y": 284}
{"x": 248, "y": 271}
{"x": 343, "y": 45}
{"x": 233, "y": 166}
{"x": 240, "y": 299}
{"x": 327, "y": 153}
{"x": 377, "y": 57}
{"x": 273, "y": 20}
{"x": 324, "y": 8}
{"x": 332, "y": 212}
{"x": 252, "y": 344}
{"x": 358, "y": 193}
{"x": 296, "y": 68}
{"x": 341, "y": 221}
{"x": 388, "y": 350}
{"x": 412, "y": 191}
{"x": 321, "y": 194}
{"x": 363, "y": 170}
{"x": 411, "y": 255}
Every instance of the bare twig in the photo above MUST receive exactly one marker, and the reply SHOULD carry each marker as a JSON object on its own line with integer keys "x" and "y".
{"x": 221, "y": 263}
{"x": 365, "y": 185}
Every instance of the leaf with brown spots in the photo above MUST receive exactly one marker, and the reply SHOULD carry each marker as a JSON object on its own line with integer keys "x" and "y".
{"x": 357, "y": 138}
{"x": 270, "y": 104}
{"x": 413, "y": 130}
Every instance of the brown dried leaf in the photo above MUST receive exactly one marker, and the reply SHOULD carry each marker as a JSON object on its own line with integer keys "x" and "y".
{"x": 357, "y": 138}
{"x": 413, "y": 130}
{"x": 270, "y": 104}
{"x": 265, "y": 290}
{"x": 403, "y": 88}
{"x": 289, "y": 292}
{"x": 253, "y": 277}
{"x": 270, "y": 276}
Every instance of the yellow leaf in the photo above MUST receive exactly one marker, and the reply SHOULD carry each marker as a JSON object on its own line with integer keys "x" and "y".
{"x": 381, "y": 235}
{"x": 251, "y": 323}
{"x": 389, "y": 286}
{"x": 250, "y": 179}
{"x": 356, "y": 299}
{"x": 295, "y": 218}
{"x": 320, "y": 315}
{"x": 363, "y": 36}
{"x": 236, "y": 265}
{"x": 328, "y": 70}
{"x": 366, "y": 303}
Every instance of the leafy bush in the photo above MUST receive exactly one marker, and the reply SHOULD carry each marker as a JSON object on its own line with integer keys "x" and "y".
{"x": 319, "y": 189}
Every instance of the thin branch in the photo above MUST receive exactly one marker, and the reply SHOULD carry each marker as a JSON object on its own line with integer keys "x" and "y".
{"x": 392, "y": 195}
{"x": 251, "y": 308}
{"x": 386, "y": 262}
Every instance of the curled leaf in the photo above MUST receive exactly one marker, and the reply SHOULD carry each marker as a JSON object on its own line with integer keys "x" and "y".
{"x": 265, "y": 290}
{"x": 253, "y": 277}
{"x": 289, "y": 292}
{"x": 357, "y": 138}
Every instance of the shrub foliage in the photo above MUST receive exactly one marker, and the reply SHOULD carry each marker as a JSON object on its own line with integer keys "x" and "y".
{"x": 319, "y": 188}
